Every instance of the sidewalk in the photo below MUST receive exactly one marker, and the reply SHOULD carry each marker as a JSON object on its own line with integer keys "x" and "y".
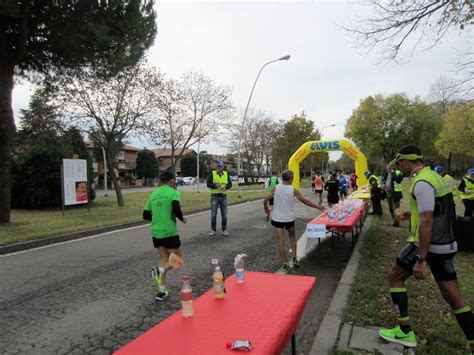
{"x": 333, "y": 334}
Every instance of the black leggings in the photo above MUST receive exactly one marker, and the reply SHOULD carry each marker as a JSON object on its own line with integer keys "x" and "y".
{"x": 468, "y": 207}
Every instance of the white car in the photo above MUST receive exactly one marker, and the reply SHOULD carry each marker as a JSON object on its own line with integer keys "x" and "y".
{"x": 189, "y": 180}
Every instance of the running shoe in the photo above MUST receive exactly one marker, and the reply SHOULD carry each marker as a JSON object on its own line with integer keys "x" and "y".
{"x": 284, "y": 269}
{"x": 162, "y": 295}
{"x": 295, "y": 262}
{"x": 212, "y": 233}
{"x": 396, "y": 335}
{"x": 225, "y": 233}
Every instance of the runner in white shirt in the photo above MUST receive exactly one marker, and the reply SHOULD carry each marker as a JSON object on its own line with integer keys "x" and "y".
{"x": 283, "y": 216}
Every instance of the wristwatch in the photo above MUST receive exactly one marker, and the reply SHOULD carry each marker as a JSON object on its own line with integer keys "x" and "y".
{"x": 420, "y": 258}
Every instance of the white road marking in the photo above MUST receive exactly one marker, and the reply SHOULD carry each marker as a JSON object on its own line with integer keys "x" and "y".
{"x": 111, "y": 232}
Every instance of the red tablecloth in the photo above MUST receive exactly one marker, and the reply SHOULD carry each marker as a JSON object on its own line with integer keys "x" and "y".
{"x": 347, "y": 226}
{"x": 266, "y": 310}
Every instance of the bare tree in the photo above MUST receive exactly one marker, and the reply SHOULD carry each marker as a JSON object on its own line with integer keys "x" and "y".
{"x": 110, "y": 109}
{"x": 189, "y": 111}
{"x": 257, "y": 138}
{"x": 443, "y": 94}
{"x": 397, "y": 29}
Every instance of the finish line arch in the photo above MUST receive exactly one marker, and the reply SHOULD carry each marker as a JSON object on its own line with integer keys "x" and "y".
{"x": 325, "y": 146}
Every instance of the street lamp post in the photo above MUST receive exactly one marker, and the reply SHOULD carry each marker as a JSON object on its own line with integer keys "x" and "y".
{"x": 322, "y": 162}
{"x": 286, "y": 57}
{"x": 105, "y": 172}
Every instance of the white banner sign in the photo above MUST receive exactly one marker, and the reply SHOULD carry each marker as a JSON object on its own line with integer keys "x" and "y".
{"x": 316, "y": 230}
{"x": 75, "y": 181}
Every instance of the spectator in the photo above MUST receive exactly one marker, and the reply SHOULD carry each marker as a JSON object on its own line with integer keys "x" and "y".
{"x": 375, "y": 193}
{"x": 219, "y": 182}
{"x": 467, "y": 192}
{"x": 391, "y": 180}
{"x": 449, "y": 179}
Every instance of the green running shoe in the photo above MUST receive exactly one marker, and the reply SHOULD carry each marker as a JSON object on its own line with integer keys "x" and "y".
{"x": 284, "y": 269}
{"x": 395, "y": 335}
{"x": 295, "y": 262}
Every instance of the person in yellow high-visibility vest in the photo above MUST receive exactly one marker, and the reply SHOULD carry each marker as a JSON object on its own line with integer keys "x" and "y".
{"x": 391, "y": 180}
{"x": 430, "y": 243}
{"x": 467, "y": 192}
{"x": 375, "y": 185}
{"x": 219, "y": 182}
{"x": 441, "y": 170}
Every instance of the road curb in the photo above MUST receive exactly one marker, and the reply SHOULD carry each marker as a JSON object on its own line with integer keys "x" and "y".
{"x": 35, "y": 243}
{"x": 328, "y": 332}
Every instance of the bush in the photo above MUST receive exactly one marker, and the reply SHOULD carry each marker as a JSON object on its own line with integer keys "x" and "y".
{"x": 36, "y": 178}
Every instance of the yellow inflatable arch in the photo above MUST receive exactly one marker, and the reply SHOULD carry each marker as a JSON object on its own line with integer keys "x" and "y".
{"x": 323, "y": 146}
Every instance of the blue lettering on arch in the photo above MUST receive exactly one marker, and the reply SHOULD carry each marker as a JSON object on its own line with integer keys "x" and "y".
{"x": 325, "y": 145}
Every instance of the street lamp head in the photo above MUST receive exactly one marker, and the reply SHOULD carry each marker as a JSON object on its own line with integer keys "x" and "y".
{"x": 286, "y": 57}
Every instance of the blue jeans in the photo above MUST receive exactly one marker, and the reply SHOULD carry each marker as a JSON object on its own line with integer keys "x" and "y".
{"x": 217, "y": 201}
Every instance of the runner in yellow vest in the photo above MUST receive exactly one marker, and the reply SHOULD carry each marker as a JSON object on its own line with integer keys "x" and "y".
{"x": 431, "y": 242}
{"x": 467, "y": 193}
{"x": 219, "y": 182}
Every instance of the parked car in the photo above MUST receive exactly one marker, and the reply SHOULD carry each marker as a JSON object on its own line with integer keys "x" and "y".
{"x": 189, "y": 180}
{"x": 179, "y": 181}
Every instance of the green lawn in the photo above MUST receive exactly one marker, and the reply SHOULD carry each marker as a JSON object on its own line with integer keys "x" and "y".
{"x": 27, "y": 225}
{"x": 370, "y": 303}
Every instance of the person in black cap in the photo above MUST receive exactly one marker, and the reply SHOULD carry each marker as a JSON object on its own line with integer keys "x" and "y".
{"x": 219, "y": 182}
{"x": 431, "y": 242}
{"x": 162, "y": 209}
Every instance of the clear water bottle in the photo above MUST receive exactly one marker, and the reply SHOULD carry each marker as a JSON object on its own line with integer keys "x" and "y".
{"x": 331, "y": 214}
{"x": 219, "y": 288}
{"x": 239, "y": 268}
{"x": 341, "y": 217}
{"x": 187, "y": 298}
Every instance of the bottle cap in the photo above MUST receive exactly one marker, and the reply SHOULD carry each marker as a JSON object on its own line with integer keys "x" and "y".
{"x": 185, "y": 278}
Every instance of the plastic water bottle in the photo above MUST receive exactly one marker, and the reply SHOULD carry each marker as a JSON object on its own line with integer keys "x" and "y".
{"x": 187, "y": 298}
{"x": 218, "y": 278}
{"x": 342, "y": 216}
{"x": 239, "y": 268}
{"x": 331, "y": 214}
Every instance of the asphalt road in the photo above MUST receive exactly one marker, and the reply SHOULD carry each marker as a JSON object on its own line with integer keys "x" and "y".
{"x": 94, "y": 295}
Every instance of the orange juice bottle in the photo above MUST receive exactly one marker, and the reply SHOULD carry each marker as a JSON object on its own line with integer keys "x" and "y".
{"x": 218, "y": 278}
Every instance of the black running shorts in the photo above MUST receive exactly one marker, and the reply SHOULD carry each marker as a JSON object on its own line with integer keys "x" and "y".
{"x": 441, "y": 265}
{"x": 281, "y": 225}
{"x": 169, "y": 242}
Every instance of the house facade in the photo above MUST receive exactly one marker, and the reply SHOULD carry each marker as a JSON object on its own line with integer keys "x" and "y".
{"x": 125, "y": 161}
{"x": 164, "y": 158}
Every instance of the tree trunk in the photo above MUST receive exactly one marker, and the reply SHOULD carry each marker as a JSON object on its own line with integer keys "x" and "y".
{"x": 448, "y": 163}
{"x": 115, "y": 181}
{"x": 7, "y": 131}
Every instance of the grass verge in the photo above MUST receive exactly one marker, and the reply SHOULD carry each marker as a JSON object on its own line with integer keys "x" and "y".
{"x": 29, "y": 224}
{"x": 370, "y": 303}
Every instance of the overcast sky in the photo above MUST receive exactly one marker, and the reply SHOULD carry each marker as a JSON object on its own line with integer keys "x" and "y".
{"x": 325, "y": 77}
